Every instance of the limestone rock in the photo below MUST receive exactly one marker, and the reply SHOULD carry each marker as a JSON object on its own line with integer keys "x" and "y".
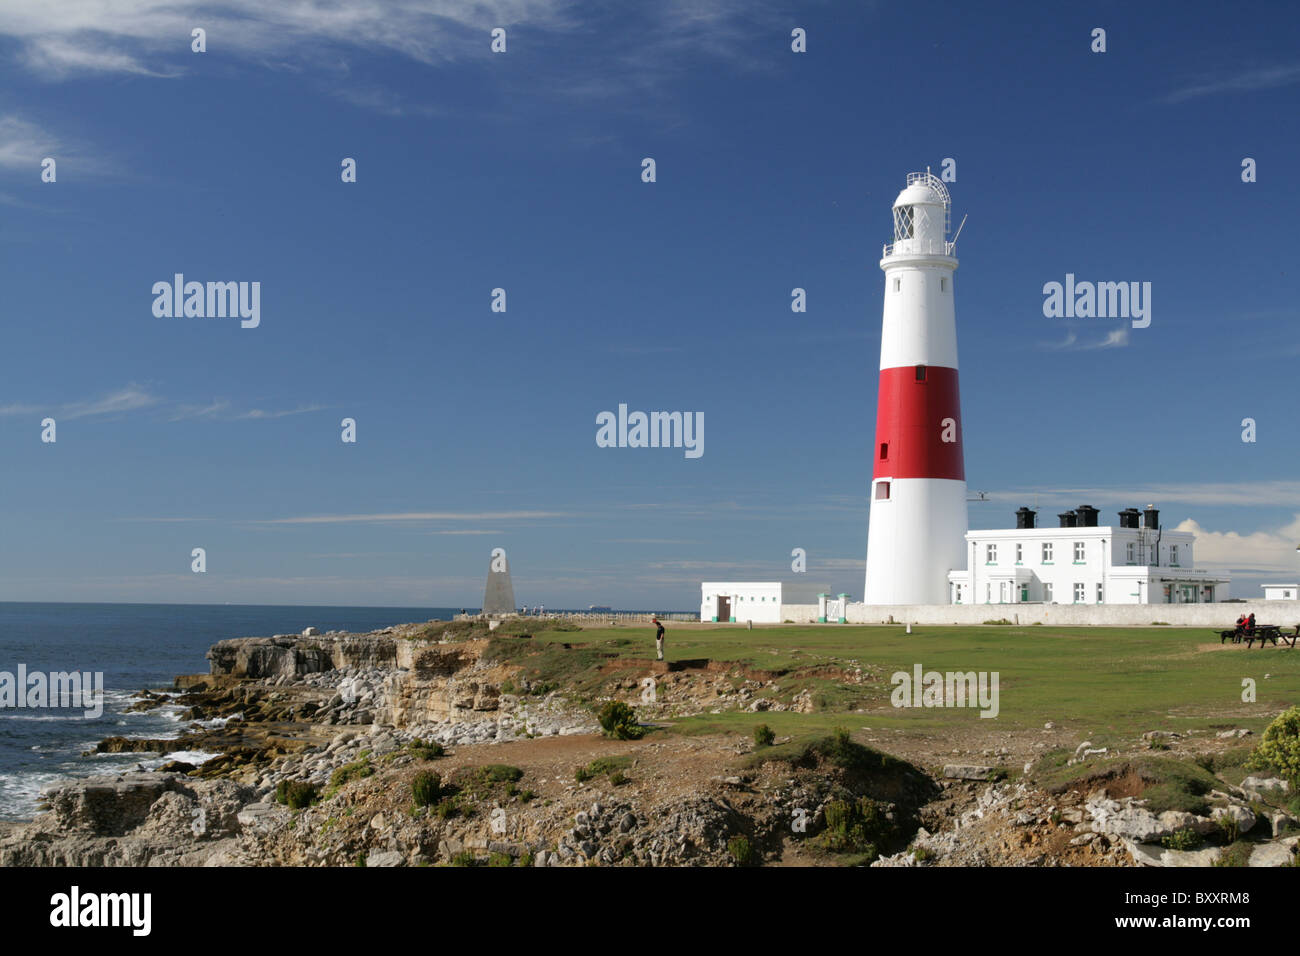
{"x": 955, "y": 771}
{"x": 1243, "y": 817}
{"x": 1159, "y": 856}
{"x": 1260, "y": 784}
{"x": 1273, "y": 854}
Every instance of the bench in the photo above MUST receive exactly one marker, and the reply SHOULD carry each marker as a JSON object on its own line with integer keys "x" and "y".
{"x": 1262, "y": 633}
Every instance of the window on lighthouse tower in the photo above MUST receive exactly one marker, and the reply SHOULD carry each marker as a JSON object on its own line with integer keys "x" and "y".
{"x": 903, "y": 226}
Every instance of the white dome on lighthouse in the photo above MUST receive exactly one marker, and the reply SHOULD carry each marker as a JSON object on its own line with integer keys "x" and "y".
{"x": 922, "y": 217}
{"x": 922, "y": 192}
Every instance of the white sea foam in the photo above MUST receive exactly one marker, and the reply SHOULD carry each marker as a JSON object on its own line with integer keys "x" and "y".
{"x": 215, "y": 722}
{"x": 42, "y": 717}
{"x": 19, "y": 792}
{"x": 195, "y": 757}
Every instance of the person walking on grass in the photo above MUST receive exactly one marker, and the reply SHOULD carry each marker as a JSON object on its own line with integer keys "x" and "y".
{"x": 659, "y": 638}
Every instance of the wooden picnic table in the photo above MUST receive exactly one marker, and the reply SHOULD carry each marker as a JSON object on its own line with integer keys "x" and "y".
{"x": 1262, "y": 633}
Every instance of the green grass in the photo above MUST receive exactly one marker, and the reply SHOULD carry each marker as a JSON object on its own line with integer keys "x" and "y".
{"x": 602, "y": 766}
{"x": 497, "y": 773}
{"x": 1095, "y": 681}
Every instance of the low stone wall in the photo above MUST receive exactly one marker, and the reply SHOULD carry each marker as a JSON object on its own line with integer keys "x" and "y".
{"x": 1285, "y": 613}
{"x": 590, "y": 618}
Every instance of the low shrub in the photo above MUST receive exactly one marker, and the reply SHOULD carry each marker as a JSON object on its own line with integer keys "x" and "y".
{"x": 295, "y": 794}
{"x": 497, "y": 773}
{"x": 426, "y": 788}
{"x": 742, "y": 851}
{"x": 856, "y": 826}
{"x": 1238, "y": 854}
{"x": 1280, "y": 748}
{"x": 426, "y": 749}
{"x": 1230, "y": 828}
{"x": 763, "y": 736}
{"x": 1186, "y": 839}
{"x": 618, "y": 720}
{"x": 349, "y": 772}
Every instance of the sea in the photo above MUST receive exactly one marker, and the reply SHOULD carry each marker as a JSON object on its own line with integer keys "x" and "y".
{"x": 135, "y": 646}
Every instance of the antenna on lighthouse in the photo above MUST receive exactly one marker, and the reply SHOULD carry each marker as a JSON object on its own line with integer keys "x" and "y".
{"x": 959, "y": 228}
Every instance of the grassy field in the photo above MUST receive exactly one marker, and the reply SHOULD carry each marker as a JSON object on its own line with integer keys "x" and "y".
{"x": 1104, "y": 682}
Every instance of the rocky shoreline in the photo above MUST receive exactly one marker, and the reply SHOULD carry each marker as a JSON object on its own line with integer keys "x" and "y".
{"x": 418, "y": 745}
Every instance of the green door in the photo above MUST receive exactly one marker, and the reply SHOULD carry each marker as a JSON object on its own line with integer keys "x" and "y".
{"x": 1024, "y": 593}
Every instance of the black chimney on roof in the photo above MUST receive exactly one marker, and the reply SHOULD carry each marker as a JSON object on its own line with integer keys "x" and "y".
{"x": 1151, "y": 517}
{"x": 1087, "y": 516}
{"x": 1068, "y": 519}
{"x": 1025, "y": 518}
{"x": 1128, "y": 518}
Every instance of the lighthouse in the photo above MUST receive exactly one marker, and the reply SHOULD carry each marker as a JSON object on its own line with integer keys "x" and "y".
{"x": 918, "y": 484}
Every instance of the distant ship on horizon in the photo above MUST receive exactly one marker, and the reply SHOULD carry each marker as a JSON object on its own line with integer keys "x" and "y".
{"x": 600, "y": 607}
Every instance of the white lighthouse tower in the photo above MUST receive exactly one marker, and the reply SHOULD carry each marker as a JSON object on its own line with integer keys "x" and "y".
{"x": 918, "y": 485}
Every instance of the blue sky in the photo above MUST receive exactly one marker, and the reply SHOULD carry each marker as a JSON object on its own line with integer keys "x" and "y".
{"x": 521, "y": 171}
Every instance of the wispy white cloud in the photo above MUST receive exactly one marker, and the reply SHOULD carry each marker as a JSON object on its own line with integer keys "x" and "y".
{"x": 57, "y": 57}
{"x": 1242, "y": 81}
{"x": 152, "y": 37}
{"x": 418, "y": 516}
{"x": 133, "y": 398}
{"x": 1116, "y": 338}
{"x": 1271, "y": 493}
{"x": 23, "y": 144}
{"x": 130, "y": 398}
{"x": 603, "y": 53}
{"x": 184, "y": 410}
{"x": 258, "y": 413}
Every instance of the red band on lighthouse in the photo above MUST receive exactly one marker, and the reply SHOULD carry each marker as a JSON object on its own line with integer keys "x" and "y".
{"x": 913, "y": 417}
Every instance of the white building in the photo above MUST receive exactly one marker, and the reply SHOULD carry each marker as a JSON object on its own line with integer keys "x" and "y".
{"x": 1281, "y": 592}
{"x": 1083, "y": 563}
{"x": 759, "y": 601}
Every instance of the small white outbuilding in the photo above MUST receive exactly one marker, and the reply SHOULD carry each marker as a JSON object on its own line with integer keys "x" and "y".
{"x": 757, "y": 601}
{"x": 1281, "y": 592}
